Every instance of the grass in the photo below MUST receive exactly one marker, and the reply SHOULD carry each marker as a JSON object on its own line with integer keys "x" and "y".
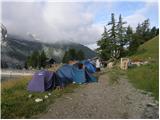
{"x": 146, "y": 77}
{"x": 149, "y": 50}
{"x": 114, "y": 75}
{"x": 15, "y": 102}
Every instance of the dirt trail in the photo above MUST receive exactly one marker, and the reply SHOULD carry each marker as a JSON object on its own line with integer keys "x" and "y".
{"x": 103, "y": 100}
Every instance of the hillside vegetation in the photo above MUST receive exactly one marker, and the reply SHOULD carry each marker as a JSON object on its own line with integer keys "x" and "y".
{"x": 146, "y": 76}
{"x": 149, "y": 50}
{"x": 15, "y": 50}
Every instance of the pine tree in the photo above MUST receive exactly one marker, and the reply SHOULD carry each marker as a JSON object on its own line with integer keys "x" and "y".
{"x": 35, "y": 59}
{"x": 134, "y": 43}
{"x": 65, "y": 57}
{"x": 153, "y": 32}
{"x": 129, "y": 37}
{"x": 80, "y": 55}
{"x": 104, "y": 50}
{"x": 157, "y": 31}
{"x": 145, "y": 30}
{"x": 70, "y": 55}
{"x": 129, "y": 33}
{"x": 118, "y": 40}
{"x": 113, "y": 37}
{"x": 121, "y": 36}
{"x": 138, "y": 29}
{"x": 42, "y": 59}
{"x": 113, "y": 41}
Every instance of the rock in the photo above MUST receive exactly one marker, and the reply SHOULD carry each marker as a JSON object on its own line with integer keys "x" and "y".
{"x": 38, "y": 100}
{"x": 151, "y": 104}
{"x": 30, "y": 95}
{"x": 145, "y": 62}
{"x": 46, "y": 96}
{"x": 49, "y": 94}
{"x": 69, "y": 98}
{"x": 50, "y": 110}
{"x": 151, "y": 112}
{"x": 156, "y": 102}
{"x": 143, "y": 92}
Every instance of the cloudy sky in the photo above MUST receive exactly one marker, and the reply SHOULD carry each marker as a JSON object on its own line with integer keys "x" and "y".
{"x": 80, "y": 22}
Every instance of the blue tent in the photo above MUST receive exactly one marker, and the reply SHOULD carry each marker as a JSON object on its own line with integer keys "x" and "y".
{"x": 64, "y": 75}
{"x": 90, "y": 67}
{"x": 71, "y": 73}
{"x": 44, "y": 80}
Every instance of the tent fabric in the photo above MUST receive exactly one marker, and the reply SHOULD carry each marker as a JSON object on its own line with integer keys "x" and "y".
{"x": 90, "y": 78}
{"x": 70, "y": 73}
{"x": 78, "y": 75}
{"x": 90, "y": 67}
{"x": 41, "y": 81}
{"x": 64, "y": 75}
{"x": 44, "y": 80}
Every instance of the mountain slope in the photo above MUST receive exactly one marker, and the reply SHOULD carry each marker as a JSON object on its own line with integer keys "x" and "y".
{"x": 145, "y": 77}
{"x": 148, "y": 50}
{"x": 15, "y": 50}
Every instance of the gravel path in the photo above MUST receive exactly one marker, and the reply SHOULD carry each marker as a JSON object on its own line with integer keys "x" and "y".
{"x": 103, "y": 100}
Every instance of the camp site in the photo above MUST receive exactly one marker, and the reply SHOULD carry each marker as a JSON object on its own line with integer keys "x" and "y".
{"x": 80, "y": 59}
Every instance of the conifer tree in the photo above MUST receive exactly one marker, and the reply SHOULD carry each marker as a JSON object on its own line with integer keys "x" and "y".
{"x": 80, "y": 55}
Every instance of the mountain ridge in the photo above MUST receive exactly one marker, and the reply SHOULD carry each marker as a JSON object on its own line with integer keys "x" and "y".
{"x": 15, "y": 50}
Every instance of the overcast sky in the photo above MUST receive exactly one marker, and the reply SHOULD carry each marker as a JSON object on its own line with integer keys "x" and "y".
{"x": 80, "y": 22}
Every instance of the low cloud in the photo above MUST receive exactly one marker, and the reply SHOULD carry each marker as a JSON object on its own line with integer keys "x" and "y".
{"x": 92, "y": 46}
{"x": 51, "y": 22}
{"x": 80, "y": 22}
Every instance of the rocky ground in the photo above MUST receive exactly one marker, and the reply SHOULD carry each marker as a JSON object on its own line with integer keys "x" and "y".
{"x": 104, "y": 100}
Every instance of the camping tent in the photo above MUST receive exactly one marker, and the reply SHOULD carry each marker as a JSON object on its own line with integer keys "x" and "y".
{"x": 71, "y": 73}
{"x": 90, "y": 67}
{"x": 42, "y": 81}
{"x": 66, "y": 74}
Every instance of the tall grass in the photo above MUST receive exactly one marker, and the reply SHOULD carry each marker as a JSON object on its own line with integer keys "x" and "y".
{"x": 146, "y": 77}
{"x": 15, "y": 102}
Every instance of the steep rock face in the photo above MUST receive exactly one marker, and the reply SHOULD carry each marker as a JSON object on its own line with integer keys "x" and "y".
{"x": 15, "y": 50}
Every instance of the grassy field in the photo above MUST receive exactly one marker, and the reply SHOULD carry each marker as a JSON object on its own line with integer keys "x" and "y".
{"x": 15, "y": 101}
{"x": 146, "y": 77}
